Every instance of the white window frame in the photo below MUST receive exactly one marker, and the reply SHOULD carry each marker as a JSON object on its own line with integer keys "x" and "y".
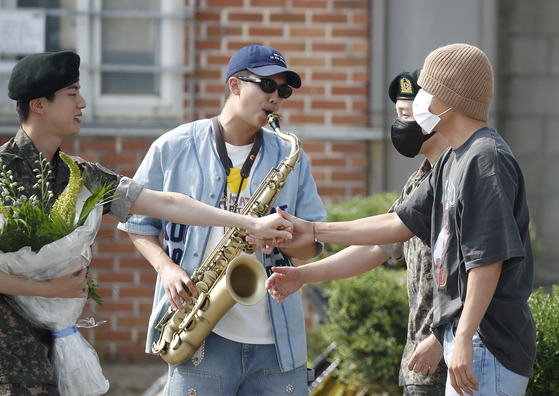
{"x": 169, "y": 102}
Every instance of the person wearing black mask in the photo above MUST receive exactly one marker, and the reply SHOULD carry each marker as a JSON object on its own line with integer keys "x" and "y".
{"x": 419, "y": 372}
{"x": 422, "y": 371}
{"x": 407, "y": 136}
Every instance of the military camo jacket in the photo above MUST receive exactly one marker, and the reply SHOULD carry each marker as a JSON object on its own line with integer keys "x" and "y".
{"x": 420, "y": 292}
{"x": 24, "y": 348}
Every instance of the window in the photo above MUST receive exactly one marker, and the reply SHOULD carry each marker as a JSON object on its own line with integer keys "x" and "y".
{"x": 132, "y": 53}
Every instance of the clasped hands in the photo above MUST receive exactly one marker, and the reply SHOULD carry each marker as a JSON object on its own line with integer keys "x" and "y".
{"x": 298, "y": 233}
{"x": 285, "y": 280}
{"x": 273, "y": 227}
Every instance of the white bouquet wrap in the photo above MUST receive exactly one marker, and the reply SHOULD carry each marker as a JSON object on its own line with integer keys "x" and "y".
{"x": 76, "y": 363}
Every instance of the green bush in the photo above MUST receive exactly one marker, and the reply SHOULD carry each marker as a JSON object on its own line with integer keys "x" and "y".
{"x": 545, "y": 310}
{"x": 368, "y": 316}
{"x": 356, "y": 208}
{"x": 368, "y": 313}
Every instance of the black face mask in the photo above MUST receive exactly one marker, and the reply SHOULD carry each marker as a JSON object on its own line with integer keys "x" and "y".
{"x": 407, "y": 137}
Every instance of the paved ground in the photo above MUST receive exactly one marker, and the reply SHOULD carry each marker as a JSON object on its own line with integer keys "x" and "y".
{"x": 135, "y": 379}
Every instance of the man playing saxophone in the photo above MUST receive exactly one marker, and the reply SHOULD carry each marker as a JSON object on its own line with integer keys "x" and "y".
{"x": 259, "y": 349}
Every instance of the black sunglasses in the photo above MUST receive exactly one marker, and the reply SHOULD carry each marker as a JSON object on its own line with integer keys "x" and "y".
{"x": 269, "y": 86}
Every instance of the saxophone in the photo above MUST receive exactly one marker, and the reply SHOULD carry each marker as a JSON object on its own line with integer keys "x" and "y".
{"x": 225, "y": 278}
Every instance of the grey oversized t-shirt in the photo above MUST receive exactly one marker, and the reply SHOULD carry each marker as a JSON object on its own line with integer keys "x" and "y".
{"x": 473, "y": 212}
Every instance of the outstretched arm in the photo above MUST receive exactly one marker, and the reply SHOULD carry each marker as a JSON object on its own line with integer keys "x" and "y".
{"x": 351, "y": 261}
{"x": 180, "y": 208}
{"x": 374, "y": 230}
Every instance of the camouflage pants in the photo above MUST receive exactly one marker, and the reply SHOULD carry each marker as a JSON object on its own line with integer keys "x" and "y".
{"x": 28, "y": 390}
{"x": 25, "y": 367}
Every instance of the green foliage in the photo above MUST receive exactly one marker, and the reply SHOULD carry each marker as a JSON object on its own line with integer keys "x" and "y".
{"x": 545, "y": 310}
{"x": 92, "y": 286}
{"x": 32, "y": 222}
{"x": 29, "y": 221}
{"x": 369, "y": 316}
{"x": 368, "y": 313}
{"x": 356, "y": 208}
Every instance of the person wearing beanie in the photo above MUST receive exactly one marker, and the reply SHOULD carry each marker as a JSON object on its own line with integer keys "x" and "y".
{"x": 472, "y": 211}
{"x": 422, "y": 371}
{"x": 46, "y": 89}
{"x": 258, "y": 349}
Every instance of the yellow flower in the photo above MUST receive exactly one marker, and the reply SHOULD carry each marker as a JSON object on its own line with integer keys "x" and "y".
{"x": 6, "y": 214}
{"x": 65, "y": 205}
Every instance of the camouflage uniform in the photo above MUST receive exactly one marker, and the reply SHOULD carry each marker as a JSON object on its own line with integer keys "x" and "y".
{"x": 420, "y": 293}
{"x": 25, "y": 367}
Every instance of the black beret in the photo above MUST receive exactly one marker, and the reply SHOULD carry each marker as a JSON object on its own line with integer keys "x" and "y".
{"x": 38, "y": 75}
{"x": 404, "y": 86}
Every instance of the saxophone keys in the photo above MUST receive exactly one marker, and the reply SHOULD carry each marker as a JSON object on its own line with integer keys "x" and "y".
{"x": 176, "y": 342}
{"x": 205, "y": 303}
{"x": 188, "y": 307}
{"x": 202, "y": 287}
{"x": 229, "y": 251}
{"x": 158, "y": 346}
{"x": 249, "y": 249}
{"x": 210, "y": 277}
{"x": 188, "y": 325}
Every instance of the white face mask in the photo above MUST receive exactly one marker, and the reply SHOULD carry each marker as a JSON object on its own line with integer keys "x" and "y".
{"x": 421, "y": 113}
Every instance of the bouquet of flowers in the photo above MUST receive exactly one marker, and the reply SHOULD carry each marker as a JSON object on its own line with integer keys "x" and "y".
{"x": 39, "y": 243}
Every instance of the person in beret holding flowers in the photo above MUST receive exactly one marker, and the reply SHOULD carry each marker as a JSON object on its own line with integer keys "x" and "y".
{"x": 46, "y": 89}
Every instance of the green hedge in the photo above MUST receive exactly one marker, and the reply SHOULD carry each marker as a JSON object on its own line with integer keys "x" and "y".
{"x": 545, "y": 310}
{"x": 369, "y": 315}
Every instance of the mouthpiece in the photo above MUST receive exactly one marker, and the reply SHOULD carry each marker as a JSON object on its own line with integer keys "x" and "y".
{"x": 273, "y": 120}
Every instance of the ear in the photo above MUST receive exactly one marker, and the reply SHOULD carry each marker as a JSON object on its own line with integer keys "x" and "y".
{"x": 36, "y": 105}
{"x": 234, "y": 86}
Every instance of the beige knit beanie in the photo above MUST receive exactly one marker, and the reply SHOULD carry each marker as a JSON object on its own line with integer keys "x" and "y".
{"x": 461, "y": 76}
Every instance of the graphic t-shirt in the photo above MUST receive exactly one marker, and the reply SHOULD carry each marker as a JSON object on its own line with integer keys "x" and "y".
{"x": 245, "y": 324}
{"x": 473, "y": 212}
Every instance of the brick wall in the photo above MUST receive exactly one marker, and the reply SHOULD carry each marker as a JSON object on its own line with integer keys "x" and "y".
{"x": 326, "y": 41}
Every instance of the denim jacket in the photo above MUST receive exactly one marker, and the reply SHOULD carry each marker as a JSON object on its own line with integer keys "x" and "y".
{"x": 185, "y": 160}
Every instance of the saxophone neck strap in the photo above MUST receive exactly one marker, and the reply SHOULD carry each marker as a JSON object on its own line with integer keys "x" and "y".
{"x": 222, "y": 149}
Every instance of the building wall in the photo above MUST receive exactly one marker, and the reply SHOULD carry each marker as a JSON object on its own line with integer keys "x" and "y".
{"x": 529, "y": 79}
{"x": 341, "y": 114}
{"x": 327, "y": 42}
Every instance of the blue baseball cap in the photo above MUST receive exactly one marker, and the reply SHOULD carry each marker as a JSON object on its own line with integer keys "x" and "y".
{"x": 262, "y": 60}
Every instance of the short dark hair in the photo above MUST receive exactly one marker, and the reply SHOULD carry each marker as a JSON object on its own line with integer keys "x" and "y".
{"x": 240, "y": 73}
{"x": 23, "y": 108}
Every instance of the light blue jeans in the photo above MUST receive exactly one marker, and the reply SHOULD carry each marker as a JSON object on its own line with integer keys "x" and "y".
{"x": 493, "y": 377}
{"x": 229, "y": 368}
